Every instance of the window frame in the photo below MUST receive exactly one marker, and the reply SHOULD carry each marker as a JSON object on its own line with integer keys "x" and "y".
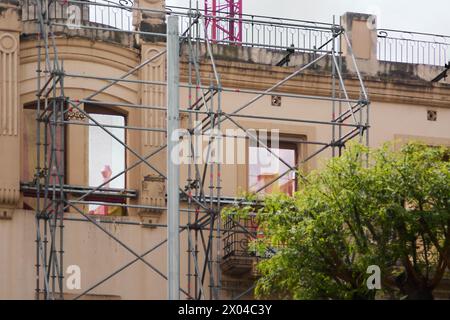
{"x": 33, "y": 106}
{"x": 286, "y": 141}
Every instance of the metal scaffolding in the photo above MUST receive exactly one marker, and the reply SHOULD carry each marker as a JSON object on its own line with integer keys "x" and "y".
{"x": 200, "y": 197}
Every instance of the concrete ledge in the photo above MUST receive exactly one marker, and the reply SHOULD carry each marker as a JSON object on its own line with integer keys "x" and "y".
{"x": 30, "y": 31}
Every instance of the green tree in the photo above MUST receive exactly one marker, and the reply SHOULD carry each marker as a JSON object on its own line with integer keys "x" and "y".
{"x": 368, "y": 207}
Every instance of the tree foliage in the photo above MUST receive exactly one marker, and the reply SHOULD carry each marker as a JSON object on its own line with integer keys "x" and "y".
{"x": 392, "y": 211}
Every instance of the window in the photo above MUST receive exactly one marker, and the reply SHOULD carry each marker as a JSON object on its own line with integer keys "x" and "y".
{"x": 106, "y": 155}
{"x": 264, "y": 167}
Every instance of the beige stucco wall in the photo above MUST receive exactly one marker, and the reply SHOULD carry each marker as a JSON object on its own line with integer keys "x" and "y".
{"x": 390, "y": 121}
{"x": 93, "y": 251}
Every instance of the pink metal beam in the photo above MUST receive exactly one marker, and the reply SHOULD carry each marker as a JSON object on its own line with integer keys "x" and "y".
{"x": 224, "y": 21}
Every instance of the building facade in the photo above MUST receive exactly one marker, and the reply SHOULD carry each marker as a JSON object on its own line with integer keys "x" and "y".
{"x": 83, "y": 98}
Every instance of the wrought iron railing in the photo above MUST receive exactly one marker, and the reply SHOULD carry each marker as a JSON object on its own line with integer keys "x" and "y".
{"x": 266, "y": 32}
{"x": 413, "y": 47}
{"x": 237, "y": 237}
{"x": 257, "y": 31}
{"x": 111, "y": 13}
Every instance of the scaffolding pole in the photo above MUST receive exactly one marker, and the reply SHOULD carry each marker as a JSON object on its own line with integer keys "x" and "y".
{"x": 173, "y": 171}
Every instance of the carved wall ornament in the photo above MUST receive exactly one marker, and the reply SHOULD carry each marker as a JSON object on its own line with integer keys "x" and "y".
{"x": 8, "y": 43}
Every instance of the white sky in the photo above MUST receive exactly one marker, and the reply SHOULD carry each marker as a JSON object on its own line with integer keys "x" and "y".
{"x": 431, "y": 16}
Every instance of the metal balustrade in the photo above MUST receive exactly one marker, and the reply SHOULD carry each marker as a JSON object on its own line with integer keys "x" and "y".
{"x": 413, "y": 47}
{"x": 267, "y": 32}
{"x": 116, "y": 14}
{"x": 257, "y": 31}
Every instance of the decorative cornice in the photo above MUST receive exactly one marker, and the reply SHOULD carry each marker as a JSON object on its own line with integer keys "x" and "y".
{"x": 260, "y": 77}
{"x": 9, "y": 195}
{"x": 10, "y": 15}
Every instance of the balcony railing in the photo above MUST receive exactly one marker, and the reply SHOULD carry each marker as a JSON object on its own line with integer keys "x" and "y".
{"x": 257, "y": 31}
{"x": 413, "y": 47}
{"x": 110, "y": 13}
{"x": 265, "y": 32}
{"x": 240, "y": 232}
{"x": 237, "y": 258}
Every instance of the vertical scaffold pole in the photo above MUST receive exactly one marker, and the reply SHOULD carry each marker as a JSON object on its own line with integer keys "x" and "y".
{"x": 173, "y": 177}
